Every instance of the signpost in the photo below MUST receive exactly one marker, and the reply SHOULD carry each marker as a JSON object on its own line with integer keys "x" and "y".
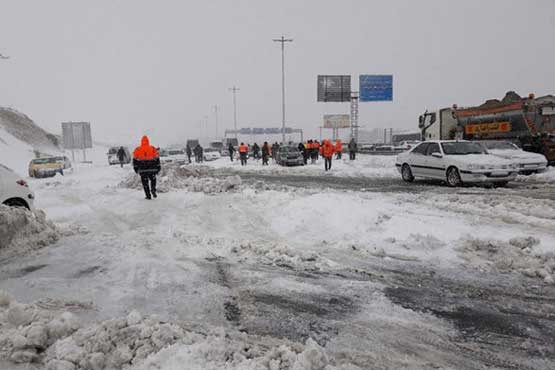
{"x": 376, "y": 88}
{"x": 335, "y": 88}
{"x": 77, "y": 135}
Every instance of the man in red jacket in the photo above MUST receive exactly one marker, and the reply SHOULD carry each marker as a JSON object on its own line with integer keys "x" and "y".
{"x": 146, "y": 162}
{"x": 327, "y": 152}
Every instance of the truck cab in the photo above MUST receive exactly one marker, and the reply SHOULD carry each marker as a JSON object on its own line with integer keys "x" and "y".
{"x": 438, "y": 125}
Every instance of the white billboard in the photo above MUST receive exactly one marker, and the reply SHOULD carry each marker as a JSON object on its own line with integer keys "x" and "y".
{"x": 76, "y": 135}
{"x": 337, "y": 121}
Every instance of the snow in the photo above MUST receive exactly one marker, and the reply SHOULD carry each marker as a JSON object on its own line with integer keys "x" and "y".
{"x": 219, "y": 273}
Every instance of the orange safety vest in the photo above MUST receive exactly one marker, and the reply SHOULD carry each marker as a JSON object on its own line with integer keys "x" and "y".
{"x": 338, "y": 146}
{"x": 243, "y": 148}
{"x": 328, "y": 149}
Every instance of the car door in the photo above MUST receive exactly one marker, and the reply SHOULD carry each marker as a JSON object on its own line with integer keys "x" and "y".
{"x": 417, "y": 159}
{"x": 435, "y": 166}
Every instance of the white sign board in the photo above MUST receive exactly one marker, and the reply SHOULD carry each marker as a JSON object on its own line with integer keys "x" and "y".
{"x": 337, "y": 121}
{"x": 76, "y": 135}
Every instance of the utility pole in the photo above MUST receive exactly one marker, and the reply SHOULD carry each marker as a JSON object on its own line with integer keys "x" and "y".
{"x": 283, "y": 40}
{"x": 216, "y": 114}
{"x": 234, "y": 89}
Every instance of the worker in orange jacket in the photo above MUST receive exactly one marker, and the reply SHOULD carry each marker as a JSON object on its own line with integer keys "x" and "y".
{"x": 327, "y": 152}
{"x": 338, "y": 148}
{"x": 146, "y": 163}
{"x": 315, "y": 151}
{"x": 243, "y": 152}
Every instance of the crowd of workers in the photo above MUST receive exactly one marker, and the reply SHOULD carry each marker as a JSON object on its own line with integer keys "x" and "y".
{"x": 146, "y": 160}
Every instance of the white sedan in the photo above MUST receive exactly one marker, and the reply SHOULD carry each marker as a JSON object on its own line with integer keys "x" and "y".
{"x": 527, "y": 162}
{"x": 456, "y": 162}
{"x": 211, "y": 154}
{"x": 14, "y": 191}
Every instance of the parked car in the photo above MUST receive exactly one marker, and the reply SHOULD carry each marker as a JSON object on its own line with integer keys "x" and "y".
{"x": 528, "y": 162}
{"x": 211, "y": 154}
{"x": 14, "y": 191}
{"x": 113, "y": 155}
{"x": 289, "y": 156}
{"x": 178, "y": 156}
{"x": 456, "y": 162}
{"x": 46, "y": 167}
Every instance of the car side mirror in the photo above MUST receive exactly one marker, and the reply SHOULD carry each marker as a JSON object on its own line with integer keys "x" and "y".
{"x": 437, "y": 155}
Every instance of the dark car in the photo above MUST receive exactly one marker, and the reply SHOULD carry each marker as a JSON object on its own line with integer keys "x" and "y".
{"x": 289, "y": 156}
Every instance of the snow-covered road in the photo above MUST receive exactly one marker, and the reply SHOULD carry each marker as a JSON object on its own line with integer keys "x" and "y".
{"x": 434, "y": 278}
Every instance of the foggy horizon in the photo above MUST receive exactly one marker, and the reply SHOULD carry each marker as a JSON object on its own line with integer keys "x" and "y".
{"x": 134, "y": 67}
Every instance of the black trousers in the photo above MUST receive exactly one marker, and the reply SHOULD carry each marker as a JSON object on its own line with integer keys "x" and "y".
{"x": 231, "y": 156}
{"x": 265, "y": 159}
{"x": 338, "y": 156}
{"x": 352, "y": 155}
{"x": 327, "y": 163}
{"x": 243, "y": 159}
{"x": 145, "y": 179}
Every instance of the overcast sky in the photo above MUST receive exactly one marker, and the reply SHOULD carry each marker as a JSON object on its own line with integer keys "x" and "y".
{"x": 158, "y": 67}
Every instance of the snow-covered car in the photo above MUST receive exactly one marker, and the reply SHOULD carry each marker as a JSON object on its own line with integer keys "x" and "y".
{"x": 211, "y": 154}
{"x": 178, "y": 156}
{"x": 113, "y": 155}
{"x": 14, "y": 191}
{"x": 528, "y": 162}
{"x": 46, "y": 167}
{"x": 456, "y": 162}
{"x": 289, "y": 156}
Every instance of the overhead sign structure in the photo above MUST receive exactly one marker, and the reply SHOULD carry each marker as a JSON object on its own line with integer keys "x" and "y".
{"x": 263, "y": 131}
{"x": 337, "y": 121}
{"x": 76, "y": 135}
{"x": 334, "y": 88}
{"x": 376, "y": 88}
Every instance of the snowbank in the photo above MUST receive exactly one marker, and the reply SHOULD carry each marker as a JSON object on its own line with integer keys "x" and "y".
{"x": 546, "y": 176}
{"x": 516, "y": 255}
{"x": 190, "y": 178}
{"x": 22, "y": 231}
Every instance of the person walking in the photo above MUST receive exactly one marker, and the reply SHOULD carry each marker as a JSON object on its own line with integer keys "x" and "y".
{"x": 231, "y": 151}
{"x": 121, "y": 156}
{"x": 338, "y": 148}
{"x": 352, "y": 149}
{"x": 255, "y": 151}
{"x": 243, "y": 152}
{"x": 315, "y": 151}
{"x": 189, "y": 152}
{"x": 327, "y": 152}
{"x": 265, "y": 153}
{"x": 275, "y": 148}
{"x": 146, "y": 163}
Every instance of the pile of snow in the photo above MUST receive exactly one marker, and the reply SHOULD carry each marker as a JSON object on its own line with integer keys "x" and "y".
{"x": 190, "y": 178}
{"x": 22, "y": 231}
{"x": 275, "y": 254}
{"x": 516, "y": 255}
{"x": 546, "y": 176}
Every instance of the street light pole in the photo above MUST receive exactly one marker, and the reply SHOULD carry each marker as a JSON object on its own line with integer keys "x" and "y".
{"x": 283, "y": 40}
{"x": 216, "y": 114}
{"x": 234, "y": 89}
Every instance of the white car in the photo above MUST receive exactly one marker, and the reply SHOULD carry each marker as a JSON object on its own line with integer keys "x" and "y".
{"x": 456, "y": 162}
{"x": 14, "y": 191}
{"x": 211, "y": 154}
{"x": 178, "y": 156}
{"x": 528, "y": 162}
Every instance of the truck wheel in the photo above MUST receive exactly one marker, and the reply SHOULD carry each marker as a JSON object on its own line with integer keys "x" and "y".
{"x": 453, "y": 177}
{"x": 16, "y": 202}
{"x": 406, "y": 173}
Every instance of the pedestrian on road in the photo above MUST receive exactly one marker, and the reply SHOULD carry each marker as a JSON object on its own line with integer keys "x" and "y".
{"x": 327, "y": 152}
{"x": 121, "y": 156}
{"x": 198, "y": 153}
{"x": 255, "y": 151}
{"x": 265, "y": 153}
{"x": 275, "y": 149}
{"x": 243, "y": 152}
{"x": 189, "y": 152}
{"x": 338, "y": 148}
{"x": 231, "y": 151}
{"x": 352, "y": 149}
{"x": 315, "y": 151}
{"x": 146, "y": 163}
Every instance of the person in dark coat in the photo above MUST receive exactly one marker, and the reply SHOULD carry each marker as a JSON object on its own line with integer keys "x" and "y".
{"x": 352, "y": 149}
{"x": 275, "y": 148}
{"x": 198, "y": 153}
{"x": 122, "y": 156}
{"x": 303, "y": 150}
{"x": 255, "y": 151}
{"x": 146, "y": 163}
{"x": 189, "y": 152}
{"x": 231, "y": 151}
{"x": 265, "y": 153}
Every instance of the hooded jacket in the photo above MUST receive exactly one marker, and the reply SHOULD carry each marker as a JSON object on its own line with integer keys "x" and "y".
{"x": 146, "y": 158}
{"x": 328, "y": 149}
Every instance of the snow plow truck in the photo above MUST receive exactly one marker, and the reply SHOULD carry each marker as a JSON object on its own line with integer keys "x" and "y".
{"x": 528, "y": 122}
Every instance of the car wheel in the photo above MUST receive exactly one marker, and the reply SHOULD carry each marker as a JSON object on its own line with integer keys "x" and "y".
{"x": 16, "y": 202}
{"x": 406, "y": 173}
{"x": 453, "y": 177}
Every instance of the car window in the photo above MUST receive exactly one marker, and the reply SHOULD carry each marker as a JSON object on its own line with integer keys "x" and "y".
{"x": 462, "y": 148}
{"x": 433, "y": 148}
{"x": 421, "y": 149}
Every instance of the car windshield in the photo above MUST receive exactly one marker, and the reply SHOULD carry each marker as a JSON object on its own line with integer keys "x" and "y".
{"x": 501, "y": 145}
{"x": 462, "y": 148}
{"x": 44, "y": 160}
{"x": 113, "y": 151}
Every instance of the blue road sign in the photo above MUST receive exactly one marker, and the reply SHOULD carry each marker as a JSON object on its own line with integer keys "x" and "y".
{"x": 376, "y": 88}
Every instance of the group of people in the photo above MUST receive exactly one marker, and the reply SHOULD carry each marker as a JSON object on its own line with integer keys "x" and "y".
{"x": 146, "y": 159}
